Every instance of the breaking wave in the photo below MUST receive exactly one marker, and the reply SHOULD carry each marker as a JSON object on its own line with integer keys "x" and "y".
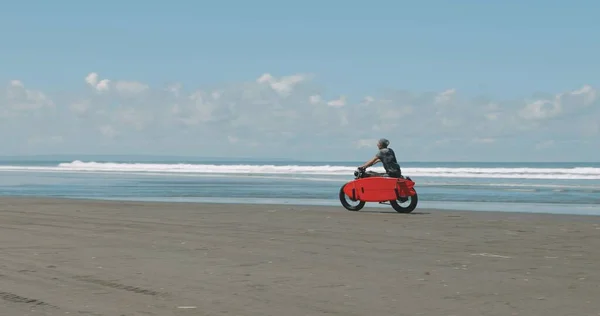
{"x": 581, "y": 173}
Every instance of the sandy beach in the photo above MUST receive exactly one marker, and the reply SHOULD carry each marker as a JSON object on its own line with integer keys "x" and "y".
{"x": 77, "y": 257}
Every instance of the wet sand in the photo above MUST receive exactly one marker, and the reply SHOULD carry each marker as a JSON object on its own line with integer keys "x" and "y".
{"x": 77, "y": 257}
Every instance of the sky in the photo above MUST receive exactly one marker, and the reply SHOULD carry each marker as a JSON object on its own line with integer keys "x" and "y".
{"x": 320, "y": 80}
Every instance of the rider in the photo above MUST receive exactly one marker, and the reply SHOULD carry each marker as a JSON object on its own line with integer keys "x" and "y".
{"x": 388, "y": 159}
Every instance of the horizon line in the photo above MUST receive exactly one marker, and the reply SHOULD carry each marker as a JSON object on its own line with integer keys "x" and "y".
{"x": 193, "y": 157}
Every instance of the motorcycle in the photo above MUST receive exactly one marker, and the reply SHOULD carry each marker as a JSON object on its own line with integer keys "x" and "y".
{"x": 374, "y": 187}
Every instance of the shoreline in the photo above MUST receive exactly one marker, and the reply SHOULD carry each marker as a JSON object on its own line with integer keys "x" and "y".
{"x": 483, "y": 207}
{"x": 101, "y": 257}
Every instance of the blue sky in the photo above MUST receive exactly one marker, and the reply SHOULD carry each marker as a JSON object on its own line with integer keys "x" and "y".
{"x": 503, "y": 74}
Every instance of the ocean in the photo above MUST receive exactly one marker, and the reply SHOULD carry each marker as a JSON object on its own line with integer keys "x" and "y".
{"x": 563, "y": 188}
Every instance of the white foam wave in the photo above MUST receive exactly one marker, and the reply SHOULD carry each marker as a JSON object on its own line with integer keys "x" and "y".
{"x": 507, "y": 173}
{"x": 513, "y": 185}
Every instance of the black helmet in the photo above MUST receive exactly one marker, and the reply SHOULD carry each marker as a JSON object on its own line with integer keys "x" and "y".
{"x": 384, "y": 142}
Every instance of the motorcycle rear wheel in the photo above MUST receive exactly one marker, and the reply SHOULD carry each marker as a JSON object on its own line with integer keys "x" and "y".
{"x": 414, "y": 200}
{"x": 347, "y": 205}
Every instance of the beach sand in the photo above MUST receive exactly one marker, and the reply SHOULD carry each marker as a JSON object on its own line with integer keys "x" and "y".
{"x": 78, "y": 257}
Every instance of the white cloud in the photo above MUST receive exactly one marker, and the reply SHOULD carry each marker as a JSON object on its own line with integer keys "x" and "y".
{"x": 216, "y": 94}
{"x": 563, "y": 103}
{"x": 125, "y": 87}
{"x": 81, "y": 107}
{"x": 19, "y": 99}
{"x": 92, "y": 79}
{"x": 368, "y": 100}
{"x": 134, "y": 118}
{"x": 338, "y": 102}
{"x": 103, "y": 85}
{"x": 283, "y": 86}
{"x": 100, "y": 86}
{"x": 16, "y": 84}
{"x": 290, "y": 116}
{"x": 175, "y": 88}
{"x": 588, "y": 93}
{"x": 315, "y": 99}
{"x": 541, "y": 109}
{"x": 445, "y": 96}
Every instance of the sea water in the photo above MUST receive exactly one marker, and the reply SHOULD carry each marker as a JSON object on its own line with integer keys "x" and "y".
{"x": 569, "y": 188}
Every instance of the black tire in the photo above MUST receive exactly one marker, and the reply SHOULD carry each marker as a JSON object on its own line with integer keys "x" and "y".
{"x": 414, "y": 200}
{"x": 346, "y": 205}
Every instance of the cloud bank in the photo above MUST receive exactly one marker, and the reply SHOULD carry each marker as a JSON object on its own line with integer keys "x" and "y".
{"x": 293, "y": 117}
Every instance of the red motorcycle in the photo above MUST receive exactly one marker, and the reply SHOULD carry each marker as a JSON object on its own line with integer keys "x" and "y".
{"x": 375, "y": 187}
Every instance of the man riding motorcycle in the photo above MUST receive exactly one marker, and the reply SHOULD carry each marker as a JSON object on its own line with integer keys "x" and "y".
{"x": 388, "y": 159}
